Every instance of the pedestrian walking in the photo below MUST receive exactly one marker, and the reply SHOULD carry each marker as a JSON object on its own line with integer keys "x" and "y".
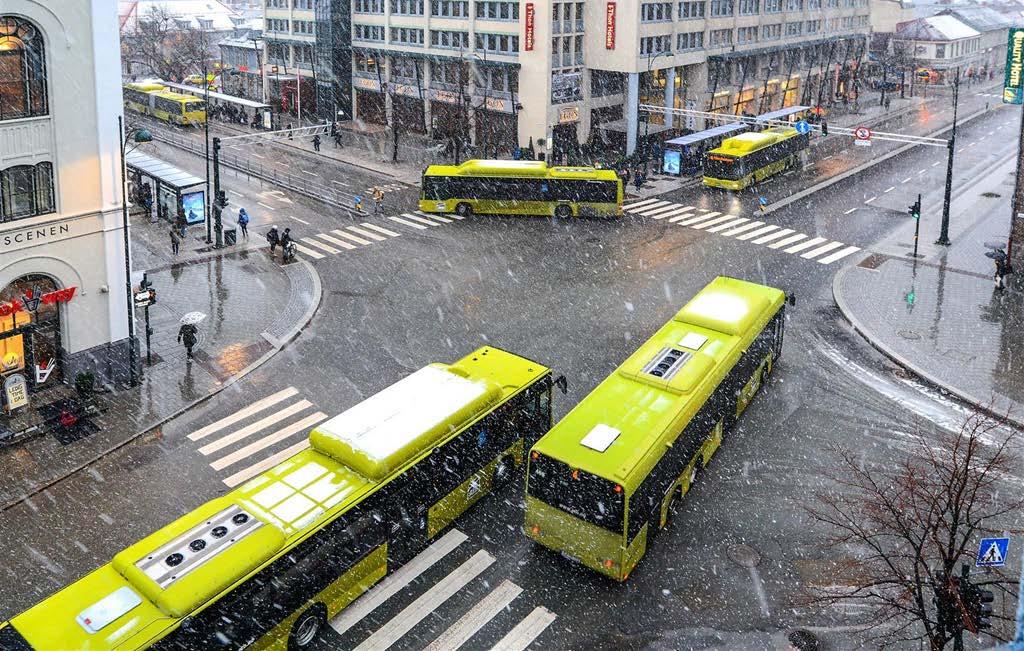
{"x": 273, "y": 239}
{"x": 316, "y": 142}
{"x": 337, "y": 140}
{"x": 638, "y": 179}
{"x": 1000, "y": 275}
{"x": 243, "y": 222}
{"x": 358, "y": 202}
{"x": 888, "y": 101}
{"x": 289, "y": 129}
{"x": 175, "y": 240}
{"x": 378, "y": 201}
{"x": 188, "y": 335}
{"x": 625, "y": 176}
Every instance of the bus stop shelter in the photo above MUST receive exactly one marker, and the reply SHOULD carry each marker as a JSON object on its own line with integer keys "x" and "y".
{"x": 683, "y": 155}
{"x": 248, "y": 107}
{"x": 170, "y": 187}
{"x": 788, "y": 114}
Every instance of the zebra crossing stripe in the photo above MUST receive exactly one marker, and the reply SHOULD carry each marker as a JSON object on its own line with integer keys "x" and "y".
{"x": 310, "y": 252}
{"x": 450, "y": 215}
{"x": 772, "y": 236}
{"x": 351, "y": 237}
{"x": 252, "y": 428}
{"x": 266, "y": 464}
{"x": 335, "y": 241}
{"x": 745, "y": 227}
{"x": 813, "y": 253}
{"x": 651, "y": 208}
{"x": 407, "y": 223}
{"x": 842, "y": 253}
{"x": 814, "y": 241}
{"x": 267, "y": 441}
{"x": 663, "y": 211}
{"x": 396, "y": 582}
{"x": 734, "y": 223}
{"x": 760, "y": 231}
{"x": 470, "y": 624}
{"x": 526, "y": 631}
{"x": 427, "y": 603}
{"x": 428, "y": 217}
{"x": 677, "y": 218}
{"x": 242, "y": 414}
{"x": 409, "y": 215}
{"x": 320, "y": 245}
{"x": 379, "y": 229}
{"x": 364, "y": 233}
{"x": 637, "y": 204}
{"x": 786, "y": 241}
{"x": 698, "y": 218}
{"x": 712, "y": 222}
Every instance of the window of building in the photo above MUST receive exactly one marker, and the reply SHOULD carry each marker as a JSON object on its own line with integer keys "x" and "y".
{"x": 721, "y": 8}
{"x": 721, "y": 37}
{"x": 448, "y": 72}
{"x": 407, "y": 7}
{"x": 449, "y": 8}
{"x": 407, "y": 68}
{"x": 497, "y": 10}
{"x": 277, "y": 52}
{"x": 749, "y": 7}
{"x": 832, "y": 4}
{"x": 364, "y": 63}
{"x": 832, "y": 25}
{"x": 26, "y": 191}
{"x": 690, "y": 41}
{"x": 813, "y": 26}
{"x": 277, "y": 25}
{"x": 303, "y": 27}
{"x": 449, "y": 39}
{"x": 368, "y": 32}
{"x": 847, "y": 22}
{"x": 772, "y": 6}
{"x": 22, "y": 70}
{"x": 577, "y": 48}
{"x": 303, "y": 55}
{"x": 794, "y": 29}
{"x": 691, "y": 10}
{"x": 406, "y": 36}
{"x": 794, "y": 5}
{"x": 306, "y": 5}
{"x": 277, "y": 4}
{"x": 771, "y": 32}
{"x": 746, "y": 35}
{"x": 498, "y": 43}
{"x": 813, "y": 5}
{"x": 655, "y": 44}
{"x": 368, "y": 6}
{"x": 655, "y": 12}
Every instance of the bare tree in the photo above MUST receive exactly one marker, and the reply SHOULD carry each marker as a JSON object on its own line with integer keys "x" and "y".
{"x": 165, "y": 46}
{"x": 912, "y": 523}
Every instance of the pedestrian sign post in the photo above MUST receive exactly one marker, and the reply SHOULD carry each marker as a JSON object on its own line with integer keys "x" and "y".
{"x": 802, "y": 127}
{"x": 863, "y": 136}
{"x": 992, "y": 552}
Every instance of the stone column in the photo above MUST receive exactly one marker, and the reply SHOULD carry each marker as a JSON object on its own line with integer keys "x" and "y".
{"x": 670, "y": 95}
{"x": 428, "y": 118}
{"x": 632, "y": 99}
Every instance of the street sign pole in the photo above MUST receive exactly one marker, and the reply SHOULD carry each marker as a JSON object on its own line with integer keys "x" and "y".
{"x": 946, "y": 198}
{"x": 917, "y": 225}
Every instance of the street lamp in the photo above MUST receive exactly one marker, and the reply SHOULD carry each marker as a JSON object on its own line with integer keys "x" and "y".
{"x": 139, "y": 136}
{"x": 651, "y": 57}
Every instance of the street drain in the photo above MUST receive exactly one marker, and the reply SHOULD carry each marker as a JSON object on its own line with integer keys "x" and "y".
{"x": 744, "y": 555}
{"x": 908, "y": 334}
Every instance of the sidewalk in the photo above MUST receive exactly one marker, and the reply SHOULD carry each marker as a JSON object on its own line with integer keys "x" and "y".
{"x": 942, "y": 318}
{"x": 239, "y": 291}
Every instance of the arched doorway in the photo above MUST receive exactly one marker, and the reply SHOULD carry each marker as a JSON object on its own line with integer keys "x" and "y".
{"x": 30, "y": 342}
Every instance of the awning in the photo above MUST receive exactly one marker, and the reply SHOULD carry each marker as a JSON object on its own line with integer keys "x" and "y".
{"x": 720, "y": 131}
{"x": 620, "y": 125}
{"x": 783, "y": 113}
{"x": 165, "y": 173}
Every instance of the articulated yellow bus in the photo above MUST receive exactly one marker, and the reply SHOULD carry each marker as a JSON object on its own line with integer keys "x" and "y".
{"x": 753, "y": 156}
{"x": 608, "y": 475}
{"x": 515, "y": 187}
{"x": 270, "y": 562}
{"x": 152, "y": 98}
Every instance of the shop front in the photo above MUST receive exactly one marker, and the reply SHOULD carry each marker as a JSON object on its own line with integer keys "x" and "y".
{"x": 177, "y": 193}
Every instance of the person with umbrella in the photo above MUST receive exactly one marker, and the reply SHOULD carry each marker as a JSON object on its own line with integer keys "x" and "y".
{"x": 188, "y": 333}
{"x": 998, "y": 255}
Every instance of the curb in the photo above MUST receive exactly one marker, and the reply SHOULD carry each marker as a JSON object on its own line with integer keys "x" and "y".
{"x": 306, "y": 318}
{"x": 903, "y": 362}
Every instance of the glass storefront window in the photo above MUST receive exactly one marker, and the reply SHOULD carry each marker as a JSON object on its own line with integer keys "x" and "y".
{"x": 30, "y": 335}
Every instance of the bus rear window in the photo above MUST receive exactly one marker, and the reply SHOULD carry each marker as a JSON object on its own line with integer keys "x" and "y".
{"x": 578, "y": 493}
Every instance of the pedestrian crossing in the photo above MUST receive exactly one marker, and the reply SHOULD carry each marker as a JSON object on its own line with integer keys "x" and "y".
{"x": 350, "y": 238}
{"x": 818, "y": 249}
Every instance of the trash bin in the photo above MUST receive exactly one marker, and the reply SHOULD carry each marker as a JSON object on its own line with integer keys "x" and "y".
{"x": 230, "y": 236}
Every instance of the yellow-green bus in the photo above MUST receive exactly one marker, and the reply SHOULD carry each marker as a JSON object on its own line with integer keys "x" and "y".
{"x": 518, "y": 187}
{"x": 750, "y": 157}
{"x": 608, "y": 475}
{"x": 270, "y": 562}
{"x": 155, "y": 99}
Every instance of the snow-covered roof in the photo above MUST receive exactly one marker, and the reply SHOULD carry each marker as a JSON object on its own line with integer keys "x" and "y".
{"x": 935, "y": 28}
{"x": 982, "y": 19}
{"x": 210, "y": 15}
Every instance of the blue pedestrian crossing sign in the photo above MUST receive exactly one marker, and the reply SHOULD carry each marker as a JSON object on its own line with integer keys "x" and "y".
{"x": 802, "y": 127}
{"x": 992, "y": 552}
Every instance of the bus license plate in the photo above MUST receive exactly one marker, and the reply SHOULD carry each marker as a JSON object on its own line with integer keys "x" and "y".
{"x": 439, "y": 206}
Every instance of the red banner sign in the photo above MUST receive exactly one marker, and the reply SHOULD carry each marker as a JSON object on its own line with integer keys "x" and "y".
{"x": 529, "y": 27}
{"x": 30, "y": 303}
{"x": 609, "y": 27}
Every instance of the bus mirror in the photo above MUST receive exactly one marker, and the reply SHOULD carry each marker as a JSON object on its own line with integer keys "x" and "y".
{"x": 791, "y": 298}
{"x": 562, "y": 383}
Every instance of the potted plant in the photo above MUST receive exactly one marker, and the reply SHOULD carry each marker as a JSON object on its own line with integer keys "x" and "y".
{"x": 85, "y": 384}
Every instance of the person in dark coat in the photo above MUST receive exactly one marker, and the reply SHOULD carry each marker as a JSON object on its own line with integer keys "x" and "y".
{"x": 243, "y": 222}
{"x": 316, "y": 143}
{"x": 273, "y": 239}
{"x": 188, "y": 335}
{"x": 286, "y": 237}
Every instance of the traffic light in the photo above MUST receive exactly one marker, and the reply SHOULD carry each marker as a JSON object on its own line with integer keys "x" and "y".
{"x": 915, "y": 209}
{"x": 222, "y": 198}
{"x": 977, "y": 603}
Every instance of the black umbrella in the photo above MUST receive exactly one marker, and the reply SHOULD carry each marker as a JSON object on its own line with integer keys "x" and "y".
{"x": 996, "y": 255}
{"x": 995, "y": 246}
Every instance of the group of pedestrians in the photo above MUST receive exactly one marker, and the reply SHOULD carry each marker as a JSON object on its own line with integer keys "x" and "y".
{"x": 378, "y": 201}
{"x": 636, "y": 174}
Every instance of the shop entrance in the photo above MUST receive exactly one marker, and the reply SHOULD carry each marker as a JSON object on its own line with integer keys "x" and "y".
{"x": 30, "y": 332}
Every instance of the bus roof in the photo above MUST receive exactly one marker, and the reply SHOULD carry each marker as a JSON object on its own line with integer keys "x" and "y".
{"x": 145, "y": 86}
{"x": 639, "y": 411}
{"x": 177, "y": 97}
{"x": 522, "y": 168}
{"x": 750, "y": 141}
{"x": 166, "y": 574}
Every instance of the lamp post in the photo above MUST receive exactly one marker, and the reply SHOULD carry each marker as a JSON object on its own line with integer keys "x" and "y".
{"x": 651, "y": 57}
{"x": 946, "y": 199}
{"x": 139, "y": 136}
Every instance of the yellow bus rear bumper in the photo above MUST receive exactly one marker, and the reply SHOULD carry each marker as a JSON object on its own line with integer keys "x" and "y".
{"x": 579, "y": 541}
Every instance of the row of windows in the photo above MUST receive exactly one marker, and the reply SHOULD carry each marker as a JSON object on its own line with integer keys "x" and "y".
{"x": 368, "y": 32}
{"x": 650, "y": 45}
{"x": 697, "y": 9}
{"x": 497, "y": 10}
{"x": 651, "y": 12}
{"x": 439, "y": 188}
{"x": 485, "y": 9}
{"x": 407, "y": 7}
{"x": 26, "y": 191}
{"x": 690, "y": 41}
{"x": 497, "y": 43}
{"x": 368, "y": 6}
{"x": 449, "y": 39}
{"x": 296, "y": 4}
{"x": 277, "y": 25}
{"x": 307, "y": 27}
{"x": 655, "y": 44}
{"x": 407, "y": 36}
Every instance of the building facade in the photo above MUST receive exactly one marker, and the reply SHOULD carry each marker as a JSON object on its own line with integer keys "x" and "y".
{"x": 289, "y": 41}
{"x": 941, "y": 45}
{"x": 63, "y": 294}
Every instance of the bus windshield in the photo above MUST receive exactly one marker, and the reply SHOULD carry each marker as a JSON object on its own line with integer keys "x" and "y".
{"x": 578, "y": 493}
{"x": 194, "y": 106}
{"x": 723, "y": 167}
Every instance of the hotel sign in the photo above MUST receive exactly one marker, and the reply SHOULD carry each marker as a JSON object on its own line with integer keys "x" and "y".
{"x": 609, "y": 26}
{"x": 1013, "y": 88}
{"x": 568, "y": 114}
{"x": 528, "y": 41}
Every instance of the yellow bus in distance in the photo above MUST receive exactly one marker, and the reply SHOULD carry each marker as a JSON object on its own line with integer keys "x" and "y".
{"x": 152, "y": 98}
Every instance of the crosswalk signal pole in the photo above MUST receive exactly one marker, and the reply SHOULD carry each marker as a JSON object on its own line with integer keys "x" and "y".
{"x": 218, "y": 229}
{"x": 915, "y": 212}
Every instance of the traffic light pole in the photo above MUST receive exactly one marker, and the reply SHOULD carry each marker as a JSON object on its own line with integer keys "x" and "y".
{"x": 218, "y": 228}
{"x": 917, "y": 223}
{"x": 944, "y": 230}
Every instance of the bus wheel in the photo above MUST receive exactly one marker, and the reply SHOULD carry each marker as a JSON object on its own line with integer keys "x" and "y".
{"x": 463, "y": 210}
{"x": 563, "y": 212}
{"x": 307, "y": 626}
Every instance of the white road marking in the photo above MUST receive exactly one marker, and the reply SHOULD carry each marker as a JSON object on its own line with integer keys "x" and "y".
{"x": 427, "y": 603}
{"x": 936, "y": 163}
{"x": 842, "y": 253}
{"x": 972, "y": 144}
{"x": 677, "y": 218}
{"x": 890, "y": 189}
{"x": 813, "y": 253}
{"x": 961, "y": 149}
{"x": 698, "y": 218}
{"x": 266, "y": 464}
{"x": 237, "y": 194}
{"x": 922, "y": 171}
{"x": 320, "y": 245}
{"x": 849, "y": 211}
{"x": 675, "y": 212}
{"x": 335, "y": 241}
{"x": 252, "y": 428}
{"x": 256, "y": 155}
{"x": 814, "y": 241}
{"x": 310, "y": 173}
{"x": 654, "y": 207}
{"x": 267, "y": 441}
{"x": 733, "y": 223}
{"x": 350, "y": 237}
{"x": 443, "y": 220}
{"x": 906, "y": 180}
{"x": 365, "y": 233}
{"x": 393, "y": 584}
{"x": 871, "y": 199}
{"x": 761, "y": 231}
{"x": 772, "y": 236}
{"x": 786, "y": 241}
{"x": 301, "y": 221}
{"x": 265, "y": 205}
{"x": 379, "y": 229}
{"x": 526, "y": 631}
{"x": 310, "y": 252}
{"x": 243, "y": 413}
{"x": 409, "y": 215}
{"x": 402, "y": 221}
{"x": 630, "y": 206}
{"x": 663, "y": 211}
{"x": 743, "y": 228}
{"x": 712, "y": 222}
{"x": 341, "y": 183}
{"x": 469, "y": 624}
